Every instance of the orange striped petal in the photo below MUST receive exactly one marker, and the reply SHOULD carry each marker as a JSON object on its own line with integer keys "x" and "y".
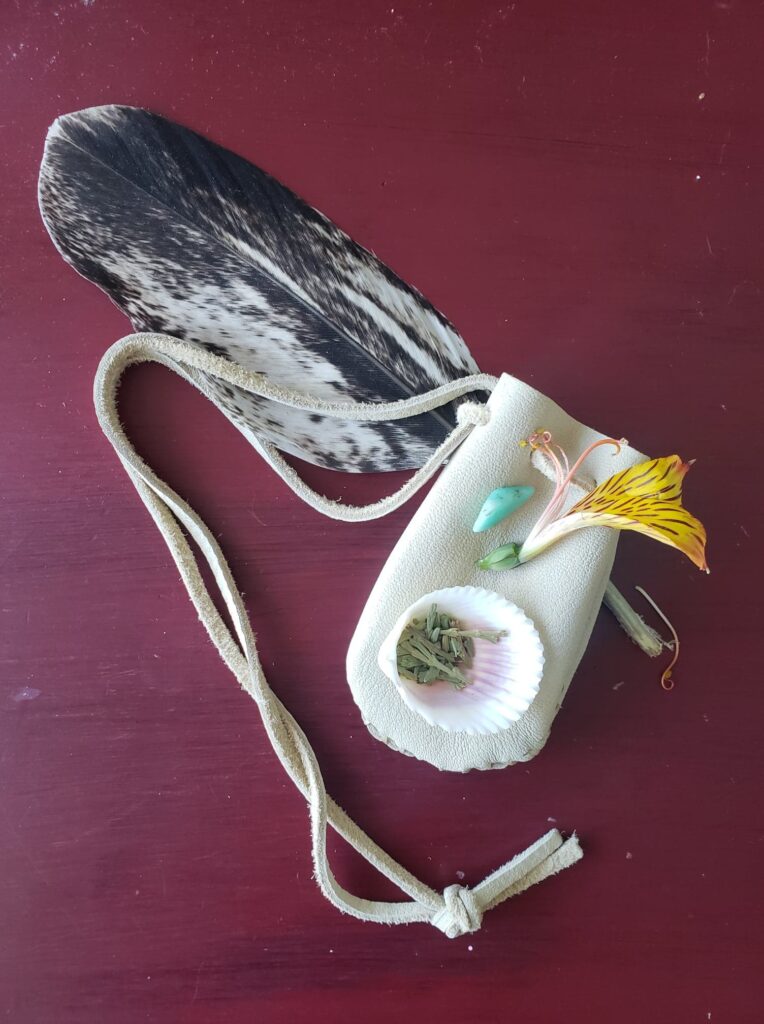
{"x": 646, "y": 498}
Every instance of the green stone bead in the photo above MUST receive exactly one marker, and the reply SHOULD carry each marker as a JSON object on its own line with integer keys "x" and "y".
{"x": 499, "y": 504}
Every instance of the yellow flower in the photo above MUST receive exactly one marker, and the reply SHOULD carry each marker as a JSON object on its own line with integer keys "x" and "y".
{"x": 646, "y": 498}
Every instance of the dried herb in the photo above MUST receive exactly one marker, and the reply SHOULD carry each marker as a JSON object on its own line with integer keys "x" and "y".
{"x": 436, "y": 647}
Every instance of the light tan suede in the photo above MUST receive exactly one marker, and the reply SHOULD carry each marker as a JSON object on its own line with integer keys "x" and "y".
{"x": 561, "y": 590}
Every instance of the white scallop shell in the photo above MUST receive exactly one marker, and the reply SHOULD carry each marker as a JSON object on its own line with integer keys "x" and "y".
{"x": 504, "y": 677}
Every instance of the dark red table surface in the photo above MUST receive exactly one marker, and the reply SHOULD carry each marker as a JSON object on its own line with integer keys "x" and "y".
{"x": 579, "y": 187}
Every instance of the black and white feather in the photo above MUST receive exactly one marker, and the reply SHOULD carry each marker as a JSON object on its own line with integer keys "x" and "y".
{"x": 189, "y": 239}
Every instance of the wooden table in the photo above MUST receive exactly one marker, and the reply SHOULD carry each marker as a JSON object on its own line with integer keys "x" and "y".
{"x": 578, "y": 186}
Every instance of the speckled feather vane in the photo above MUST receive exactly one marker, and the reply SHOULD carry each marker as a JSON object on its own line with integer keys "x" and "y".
{"x": 189, "y": 239}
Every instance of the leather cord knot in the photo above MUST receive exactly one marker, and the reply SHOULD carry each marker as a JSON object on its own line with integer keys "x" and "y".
{"x": 461, "y": 914}
{"x": 472, "y": 412}
{"x": 462, "y": 910}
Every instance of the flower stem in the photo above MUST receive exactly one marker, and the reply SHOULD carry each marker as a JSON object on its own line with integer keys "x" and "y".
{"x": 642, "y": 635}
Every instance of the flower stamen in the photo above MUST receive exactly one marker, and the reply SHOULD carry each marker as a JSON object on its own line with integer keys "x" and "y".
{"x": 666, "y": 678}
{"x": 541, "y": 441}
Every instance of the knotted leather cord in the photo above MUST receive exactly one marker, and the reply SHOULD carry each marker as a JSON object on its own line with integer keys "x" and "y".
{"x": 458, "y": 910}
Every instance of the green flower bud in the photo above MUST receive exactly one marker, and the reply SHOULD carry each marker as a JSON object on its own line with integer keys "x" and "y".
{"x": 505, "y": 557}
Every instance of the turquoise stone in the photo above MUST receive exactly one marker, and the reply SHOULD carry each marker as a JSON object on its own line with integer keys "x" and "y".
{"x": 499, "y": 504}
